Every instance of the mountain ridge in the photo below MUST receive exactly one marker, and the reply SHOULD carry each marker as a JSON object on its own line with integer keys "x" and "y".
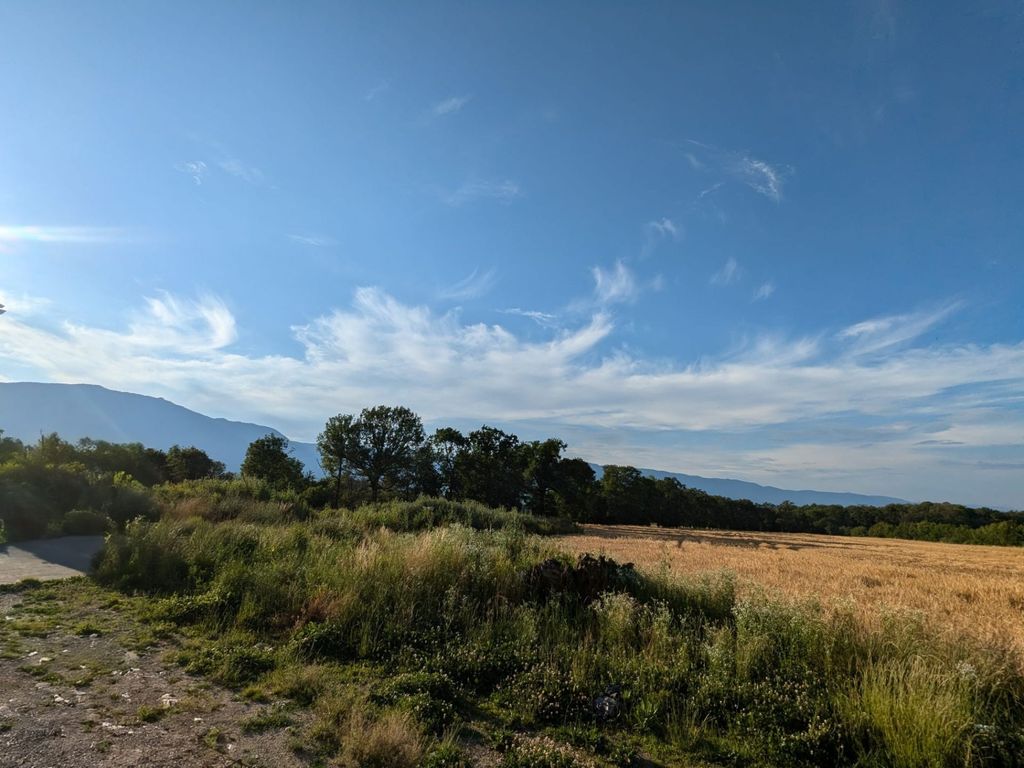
{"x": 28, "y": 409}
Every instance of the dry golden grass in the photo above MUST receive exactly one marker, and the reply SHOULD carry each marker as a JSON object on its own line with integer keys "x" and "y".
{"x": 960, "y": 588}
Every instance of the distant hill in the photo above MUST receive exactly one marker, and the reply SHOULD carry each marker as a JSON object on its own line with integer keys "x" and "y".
{"x": 28, "y": 410}
{"x": 74, "y": 411}
{"x": 741, "y": 489}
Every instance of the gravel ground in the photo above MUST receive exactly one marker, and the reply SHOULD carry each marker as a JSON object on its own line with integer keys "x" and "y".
{"x": 80, "y": 685}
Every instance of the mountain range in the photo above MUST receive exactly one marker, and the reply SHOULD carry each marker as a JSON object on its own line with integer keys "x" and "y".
{"x": 29, "y": 409}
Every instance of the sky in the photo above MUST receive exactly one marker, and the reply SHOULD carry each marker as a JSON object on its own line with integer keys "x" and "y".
{"x": 774, "y": 242}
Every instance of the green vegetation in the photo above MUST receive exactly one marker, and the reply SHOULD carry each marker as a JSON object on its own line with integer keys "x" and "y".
{"x": 400, "y": 626}
{"x": 383, "y": 455}
{"x": 267, "y": 458}
{"x": 55, "y": 488}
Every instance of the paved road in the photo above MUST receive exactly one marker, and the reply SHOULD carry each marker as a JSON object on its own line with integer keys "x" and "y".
{"x": 46, "y": 559}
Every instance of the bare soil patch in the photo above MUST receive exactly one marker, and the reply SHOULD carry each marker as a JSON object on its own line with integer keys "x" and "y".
{"x": 83, "y": 684}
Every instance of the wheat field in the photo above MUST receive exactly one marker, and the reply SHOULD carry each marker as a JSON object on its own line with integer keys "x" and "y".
{"x": 957, "y": 588}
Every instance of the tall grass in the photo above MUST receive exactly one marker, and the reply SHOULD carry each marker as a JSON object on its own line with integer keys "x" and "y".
{"x": 453, "y": 618}
{"x": 256, "y": 501}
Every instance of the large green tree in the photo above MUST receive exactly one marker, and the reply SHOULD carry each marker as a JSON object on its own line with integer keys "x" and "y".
{"x": 336, "y": 445}
{"x": 54, "y": 451}
{"x": 191, "y": 463}
{"x": 268, "y": 458}
{"x": 447, "y": 444}
{"x": 542, "y": 472}
{"x": 146, "y": 465}
{"x": 383, "y": 446}
{"x": 490, "y": 469}
{"x": 627, "y": 494}
{"x": 387, "y": 443}
{"x": 576, "y": 488}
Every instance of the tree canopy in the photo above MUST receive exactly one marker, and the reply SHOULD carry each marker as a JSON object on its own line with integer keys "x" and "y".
{"x": 268, "y": 458}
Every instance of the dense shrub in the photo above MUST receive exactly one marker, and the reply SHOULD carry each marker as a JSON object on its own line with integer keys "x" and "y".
{"x": 84, "y": 522}
{"x": 428, "y": 512}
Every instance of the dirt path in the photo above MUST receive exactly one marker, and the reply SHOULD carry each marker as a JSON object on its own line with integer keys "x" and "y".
{"x": 81, "y": 684}
{"x": 47, "y": 559}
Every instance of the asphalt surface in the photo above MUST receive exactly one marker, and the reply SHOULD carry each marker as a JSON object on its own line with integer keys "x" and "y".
{"x": 47, "y": 559}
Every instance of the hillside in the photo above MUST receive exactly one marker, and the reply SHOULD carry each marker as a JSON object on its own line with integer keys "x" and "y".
{"x": 84, "y": 410}
{"x": 742, "y": 489}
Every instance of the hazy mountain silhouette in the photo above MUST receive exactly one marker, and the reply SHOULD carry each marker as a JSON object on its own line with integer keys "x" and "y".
{"x": 28, "y": 410}
{"x": 74, "y": 411}
{"x": 741, "y": 489}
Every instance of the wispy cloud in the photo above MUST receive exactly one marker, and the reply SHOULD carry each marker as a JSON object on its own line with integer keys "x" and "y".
{"x": 760, "y": 177}
{"x": 50, "y": 234}
{"x": 196, "y": 169}
{"x": 314, "y": 241}
{"x": 502, "y": 191}
{"x": 709, "y": 190}
{"x": 474, "y": 285}
{"x": 882, "y": 333}
{"x": 247, "y": 173}
{"x": 199, "y": 170}
{"x": 665, "y": 227}
{"x": 201, "y": 326}
{"x": 730, "y": 272}
{"x": 658, "y": 231}
{"x": 614, "y": 285}
{"x": 545, "y": 319}
{"x": 23, "y": 305}
{"x": 764, "y": 291}
{"x": 449, "y": 106}
{"x": 764, "y": 178}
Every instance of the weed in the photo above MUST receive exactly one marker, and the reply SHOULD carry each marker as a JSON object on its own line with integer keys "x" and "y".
{"x": 447, "y": 754}
{"x": 86, "y": 628}
{"x": 267, "y": 719}
{"x": 391, "y": 741}
{"x": 150, "y": 714}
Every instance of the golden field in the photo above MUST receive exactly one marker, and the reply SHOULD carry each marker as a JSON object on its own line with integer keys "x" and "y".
{"x": 961, "y": 588}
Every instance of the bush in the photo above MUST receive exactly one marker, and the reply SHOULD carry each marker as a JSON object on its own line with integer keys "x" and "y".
{"x": 428, "y": 512}
{"x": 232, "y": 661}
{"x": 446, "y": 755}
{"x": 428, "y": 696}
{"x": 391, "y": 741}
{"x": 542, "y": 752}
{"x": 83, "y": 522}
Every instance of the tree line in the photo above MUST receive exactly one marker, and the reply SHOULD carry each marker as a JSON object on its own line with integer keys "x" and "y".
{"x": 384, "y": 453}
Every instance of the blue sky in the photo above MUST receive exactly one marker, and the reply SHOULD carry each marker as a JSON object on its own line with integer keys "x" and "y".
{"x": 733, "y": 239}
